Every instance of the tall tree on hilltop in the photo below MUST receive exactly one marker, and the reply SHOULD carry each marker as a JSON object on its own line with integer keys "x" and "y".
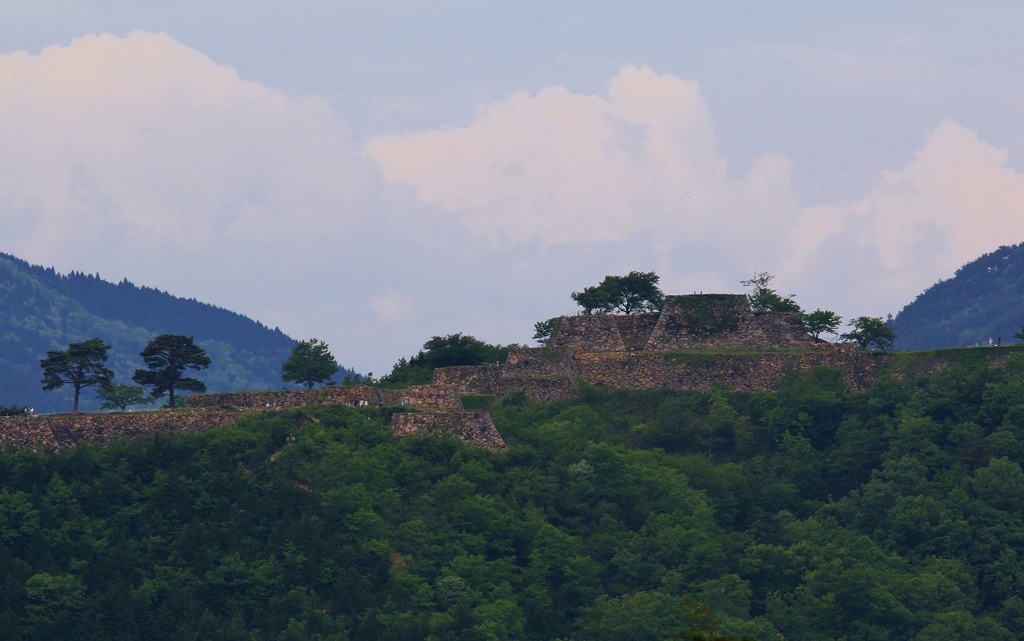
{"x": 633, "y": 293}
{"x": 765, "y": 299}
{"x": 445, "y": 351}
{"x": 168, "y": 356}
{"x": 542, "y": 330}
{"x": 821, "y": 321}
{"x": 310, "y": 363}
{"x": 121, "y": 396}
{"x": 81, "y": 365}
{"x": 870, "y": 332}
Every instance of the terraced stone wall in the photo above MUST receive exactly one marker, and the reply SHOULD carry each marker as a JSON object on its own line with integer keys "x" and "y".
{"x": 475, "y": 428}
{"x": 761, "y": 372}
{"x": 588, "y": 332}
{"x": 62, "y": 431}
{"x": 427, "y": 396}
{"x": 700, "y": 320}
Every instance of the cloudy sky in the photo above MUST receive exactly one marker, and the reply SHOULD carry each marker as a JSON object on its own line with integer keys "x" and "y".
{"x": 373, "y": 173}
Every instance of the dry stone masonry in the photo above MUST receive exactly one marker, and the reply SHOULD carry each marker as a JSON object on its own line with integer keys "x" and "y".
{"x": 61, "y": 431}
{"x": 474, "y": 428}
{"x": 668, "y": 349}
{"x": 700, "y": 320}
{"x": 694, "y": 343}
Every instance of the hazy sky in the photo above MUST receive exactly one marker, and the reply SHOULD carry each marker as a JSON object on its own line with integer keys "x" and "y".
{"x": 376, "y": 173}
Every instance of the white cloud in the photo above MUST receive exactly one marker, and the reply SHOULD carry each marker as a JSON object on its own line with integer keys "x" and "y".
{"x": 140, "y": 145}
{"x": 957, "y": 199}
{"x": 562, "y": 167}
{"x": 141, "y": 157}
{"x": 566, "y": 168}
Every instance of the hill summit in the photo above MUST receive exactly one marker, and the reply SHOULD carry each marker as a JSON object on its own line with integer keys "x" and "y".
{"x": 983, "y": 300}
{"x": 42, "y": 310}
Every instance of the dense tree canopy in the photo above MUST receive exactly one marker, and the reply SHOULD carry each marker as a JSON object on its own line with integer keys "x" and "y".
{"x": 168, "y": 356}
{"x": 120, "y": 397}
{"x": 310, "y": 363}
{"x": 81, "y": 365}
{"x": 813, "y": 513}
{"x": 984, "y": 299}
{"x": 630, "y": 294}
{"x": 445, "y": 351}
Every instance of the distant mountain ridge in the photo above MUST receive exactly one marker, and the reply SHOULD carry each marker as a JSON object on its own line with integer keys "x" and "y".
{"x": 984, "y": 299}
{"x": 41, "y": 309}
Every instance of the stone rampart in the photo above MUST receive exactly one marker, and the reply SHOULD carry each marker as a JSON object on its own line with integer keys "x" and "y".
{"x": 545, "y": 374}
{"x": 540, "y": 389}
{"x": 467, "y": 379}
{"x": 475, "y": 428}
{"x": 540, "y": 361}
{"x": 61, "y": 431}
{"x": 588, "y": 332}
{"x": 786, "y": 329}
{"x": 713, "y": 321}
{"x": 512, "y": 377}
{"x": 636, "y": 329}
{"x": 760, "y": 372}
{"x": 435, "y": 396}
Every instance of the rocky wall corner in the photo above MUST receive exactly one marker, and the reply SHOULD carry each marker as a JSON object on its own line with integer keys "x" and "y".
{"x": 472, "y": 427}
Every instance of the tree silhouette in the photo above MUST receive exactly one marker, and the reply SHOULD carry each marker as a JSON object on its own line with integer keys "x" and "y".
{"x": 870, "y": 331}
{"x": 633, "y": 293}
{"x": 310, "y": 363}
{"x": 81, "y": 365}
{"x": 168, "y": 356}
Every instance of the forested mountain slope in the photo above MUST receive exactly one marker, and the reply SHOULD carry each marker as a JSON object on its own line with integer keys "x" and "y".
{"x": 811, "y": 514}
{"x": 42, "y": 310}
{"x": 984, "y": 299}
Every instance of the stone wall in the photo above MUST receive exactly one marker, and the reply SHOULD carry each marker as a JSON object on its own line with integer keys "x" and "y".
{"x": 722, "y": 321}
{"x": 434, "y": 396}
{"x": 61, "y": 431}
{"x": 540, "y": 361}
{"x": 475, "y": 428}
{"x": 589, "y": 332}
{"x": 545, "y": 374}
{"x": 713, "y": 321}
{"x": 636, "y": 329}
{"x": 544, "y": 390}
{"x": 466, "y": 379}
{"x": 762, "y": 372}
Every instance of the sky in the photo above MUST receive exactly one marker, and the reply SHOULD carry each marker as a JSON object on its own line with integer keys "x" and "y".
{"x": 376, "y": 173}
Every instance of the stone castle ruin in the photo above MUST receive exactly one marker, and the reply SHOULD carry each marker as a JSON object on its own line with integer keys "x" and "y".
{"x": 636, "y": 351}
{"x": 700, "y": 320}
{"x": 694, "y": 343}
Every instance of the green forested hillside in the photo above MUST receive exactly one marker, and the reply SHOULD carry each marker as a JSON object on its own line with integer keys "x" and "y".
{"x": 42, "y": 310}
{"x": 811, "y": 514}
{"x": 983, "y": 300}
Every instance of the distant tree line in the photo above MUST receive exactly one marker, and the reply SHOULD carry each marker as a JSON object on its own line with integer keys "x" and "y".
{"x": 167, "y": 358}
